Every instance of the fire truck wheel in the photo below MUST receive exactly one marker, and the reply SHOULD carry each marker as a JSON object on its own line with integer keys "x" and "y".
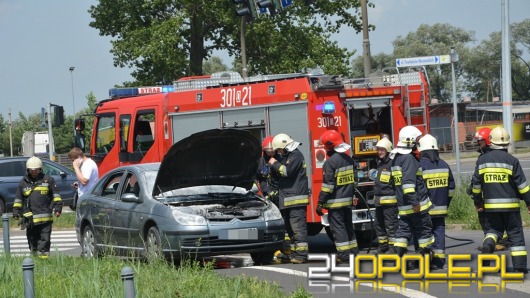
{"x": 313, "y": 229}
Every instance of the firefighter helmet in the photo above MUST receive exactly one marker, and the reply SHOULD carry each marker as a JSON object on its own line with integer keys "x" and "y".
{"x": 385, "y": 144}
{"x": 331, "y": 139}
{"x": 267, "y": 143}
{"x": 483, "y": 134}
{"x": 280, "y": 141}
{"x": 408, "y": 136}
{"x": 499, "y": 136}
{"x": 34, "y": 163}
{"x": 427, "y": 142}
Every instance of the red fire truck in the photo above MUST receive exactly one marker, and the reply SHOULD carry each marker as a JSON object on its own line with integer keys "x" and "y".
{"x": 139, "y": 125}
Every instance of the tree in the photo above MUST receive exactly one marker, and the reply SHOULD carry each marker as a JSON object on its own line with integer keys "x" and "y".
{"x": 164, "y": 40}
{"x": 437, "y": 40}
{"x": 213, "y": 65}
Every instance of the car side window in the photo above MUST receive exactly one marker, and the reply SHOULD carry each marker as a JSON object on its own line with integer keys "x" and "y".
{"x": 50, "y": 170}
{"x": 12, "y": 168}
{"x": 132, "y": 185}
{"x": 110, "y": 188}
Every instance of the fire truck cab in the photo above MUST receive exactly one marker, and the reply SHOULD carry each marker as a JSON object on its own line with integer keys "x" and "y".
{"x": 138, "y": 125}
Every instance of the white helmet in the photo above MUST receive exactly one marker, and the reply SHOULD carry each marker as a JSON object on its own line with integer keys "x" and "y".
{"x": 280, "y": 141}
{"x": 499, "y": 136}
{"x": 408, "y": 136}
{"x": 427, "y": 142}
{"x": 33, "y": 163}
{"x": 384, "y": 143}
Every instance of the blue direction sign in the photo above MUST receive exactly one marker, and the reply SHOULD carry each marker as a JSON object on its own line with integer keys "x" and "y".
{"x": 419, "y": 61}
{"x": 286, "y": 3}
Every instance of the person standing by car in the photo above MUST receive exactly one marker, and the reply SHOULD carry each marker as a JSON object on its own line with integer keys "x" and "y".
{"x": 85, "y": 169}
{"x": 37, "y": 199}
{"x": 441, "y": 186}
{"x": 412, "y": 196}
{"x": 499, "y": 184}
{"x": 336, "y": 194}
{"x": 386, "y": 210}
{"x": 293, "y": 193}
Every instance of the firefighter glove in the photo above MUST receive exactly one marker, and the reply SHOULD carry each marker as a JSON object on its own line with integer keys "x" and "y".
{"x": 319, "y": 209}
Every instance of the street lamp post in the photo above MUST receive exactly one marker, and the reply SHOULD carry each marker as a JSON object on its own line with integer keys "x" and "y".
{"x": 454, "y": 59}
{"x": 73, "y": 97}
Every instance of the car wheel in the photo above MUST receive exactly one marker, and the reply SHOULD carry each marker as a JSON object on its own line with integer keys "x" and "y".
{"x": 2, "y": 207}
{"x": 262, "y": 258}
{"x": 153, "y": 244}
{"x": 89, "y": 244}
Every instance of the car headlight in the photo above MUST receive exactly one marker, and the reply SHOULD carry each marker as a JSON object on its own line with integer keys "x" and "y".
{"x": 272, "y": 213}
{"x": 188, "y": 219}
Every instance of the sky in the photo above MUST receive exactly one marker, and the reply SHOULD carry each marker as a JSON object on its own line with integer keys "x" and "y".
{"x": 41, "y": 40}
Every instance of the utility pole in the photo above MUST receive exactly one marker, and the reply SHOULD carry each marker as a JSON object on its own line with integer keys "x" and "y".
{"x": 10, "y": 133}
{"x": 366, "y": 40}
{"x": 244, "y": 70}
{"x": 50, "y": 133}
{"x": 507, "y": 115}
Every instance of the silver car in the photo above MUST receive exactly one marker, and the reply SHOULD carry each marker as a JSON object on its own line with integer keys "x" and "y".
{"x": 197, "y": 202}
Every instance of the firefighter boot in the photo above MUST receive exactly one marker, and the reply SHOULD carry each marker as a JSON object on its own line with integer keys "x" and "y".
{"x": 281, "y": 258}
{"x": 488, "y": 246}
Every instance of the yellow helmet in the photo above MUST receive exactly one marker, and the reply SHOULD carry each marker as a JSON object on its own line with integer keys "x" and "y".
{"x": 33, "y": 163}
{"x": 427, "y": 142}
{"x": 280, "y": 141}
{"x": 384, "y": 143}
{"x": 500, "y": 136}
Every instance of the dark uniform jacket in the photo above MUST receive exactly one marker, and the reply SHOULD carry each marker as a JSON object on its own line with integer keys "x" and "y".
{"x": 499, "y": 182}
{"x": 409, "y": 185}
{"x": 384, "y": 188}
{"x": 439, "y": 181}
{"x": 37, "y": 199}
{"x": 338, "y": 181}
{"x": 269, "y": 180}
{"x": 293, "y": 186}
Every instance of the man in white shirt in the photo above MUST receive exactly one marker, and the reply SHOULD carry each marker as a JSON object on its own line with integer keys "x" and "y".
{"x": 85, "y": 169}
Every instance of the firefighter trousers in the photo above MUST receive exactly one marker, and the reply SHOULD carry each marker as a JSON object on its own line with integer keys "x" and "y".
{"x": 386, "y": 223}
{"x": 341, "y": 225}
{"x": 418, "y": 226}
{"x": 295, "y": 219}
{"x": 438, "y": 247}
{"x": 511, "y": 223}
{"x": 39, "y": 236}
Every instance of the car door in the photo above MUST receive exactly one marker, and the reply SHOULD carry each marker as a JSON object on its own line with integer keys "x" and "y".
{"x": 128, "y": 215}
{"x": 103, "y": 210}
{"x": 62, "y": 177}
{"x": 11, "y": 173}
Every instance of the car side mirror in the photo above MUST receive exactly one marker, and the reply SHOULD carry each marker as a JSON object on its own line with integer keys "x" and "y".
{"x": 131, "y": 198}
{"x": 62, "y": 174}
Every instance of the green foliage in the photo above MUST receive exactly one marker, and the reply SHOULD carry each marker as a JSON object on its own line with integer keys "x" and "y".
{"x": 165, "y": 40}
{"x": 62, "y": 276}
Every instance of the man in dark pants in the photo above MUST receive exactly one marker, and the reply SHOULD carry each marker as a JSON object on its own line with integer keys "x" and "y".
{"x": 386, "y": 210}
{"x": 336, "y": 194}
{"x": 499, "y": 184}
{"x": 293, "y": 194}
{"x": 441, "y": 185}
{"x": 413, "y": 200}
{"x": 37, "y": 199}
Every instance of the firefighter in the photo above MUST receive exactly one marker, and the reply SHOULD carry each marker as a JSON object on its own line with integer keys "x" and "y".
{"x": 37, "y": 199}
{"x": 441, "y": 186}
{"x": 268, "y": 184}
{"x": 412, "y": 196}
{"x": 386, "y": 210}
{"x": 293, "y": 194}
{"x": 336, "y": 194}
{"x": 499, "y": 184}
{"x": 483, "y": 139}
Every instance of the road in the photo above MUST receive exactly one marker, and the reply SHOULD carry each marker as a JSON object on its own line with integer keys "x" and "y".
{"x": 290, "y": 277}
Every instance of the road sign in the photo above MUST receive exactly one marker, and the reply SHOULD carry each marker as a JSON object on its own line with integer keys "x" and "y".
{"x": 286, "y": 3}
{"x": 419, "y": 61}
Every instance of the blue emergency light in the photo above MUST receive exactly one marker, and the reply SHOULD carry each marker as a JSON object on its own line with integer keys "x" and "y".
{"x": 135, "y": 91}
{"x": 329, "y": 107}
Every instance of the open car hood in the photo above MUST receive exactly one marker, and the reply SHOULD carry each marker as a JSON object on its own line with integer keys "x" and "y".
{"x": 211, "y": 157}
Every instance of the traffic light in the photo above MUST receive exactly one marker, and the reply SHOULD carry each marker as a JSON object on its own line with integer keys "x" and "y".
{"x": 246, "y": 8}
{"x": 58, "y": 116}
{"x": 272, "y": 5}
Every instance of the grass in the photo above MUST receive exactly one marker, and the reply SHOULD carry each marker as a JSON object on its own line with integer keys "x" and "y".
{"x": 63, "y": 276}
{"x": 65, "y": 221}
